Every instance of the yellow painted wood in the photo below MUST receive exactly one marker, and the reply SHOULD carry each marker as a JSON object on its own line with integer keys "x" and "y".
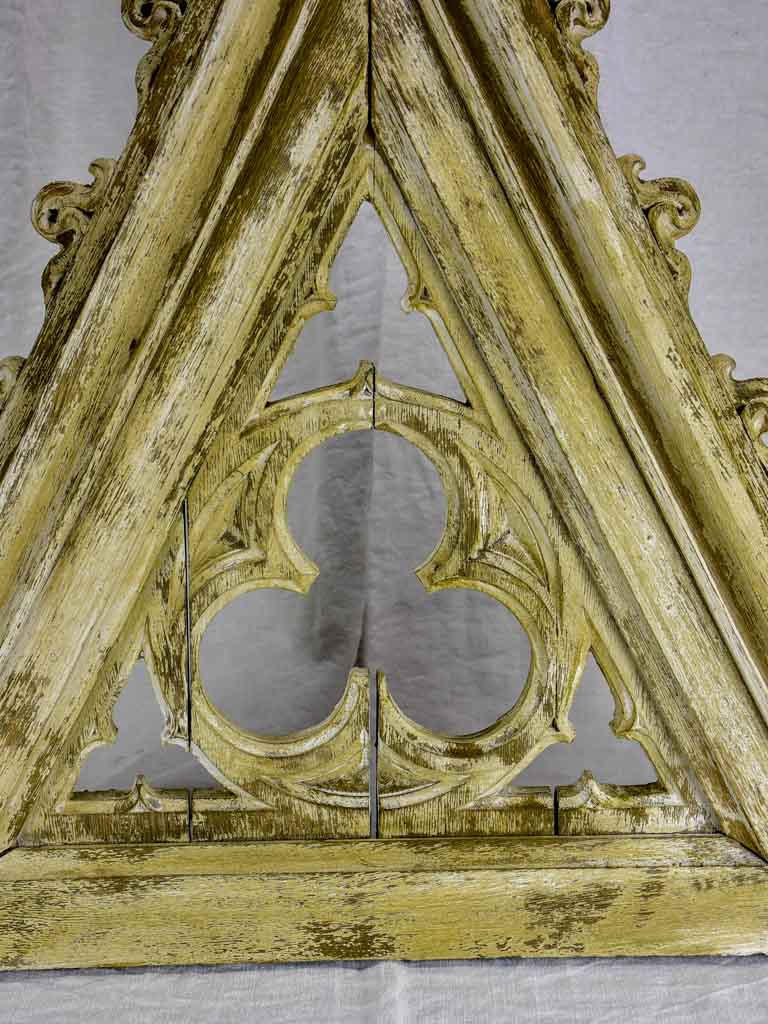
{"x": 458, "y": 898}
{"x": 143, "y": 815}
{"x": 483, "y": 189}
{"x": 589, "y": 808}
{"x": 605, "y": 481}
{"x": 166, "y": 351}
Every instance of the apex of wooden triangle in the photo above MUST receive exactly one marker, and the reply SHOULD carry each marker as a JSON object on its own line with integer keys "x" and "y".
{"x": 605, "y": 481}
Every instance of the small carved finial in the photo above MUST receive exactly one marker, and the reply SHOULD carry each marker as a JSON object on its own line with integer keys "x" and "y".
{"x": 363, "y": 384}
{"x": 585, "y": 792}
{"x": 673, "y": 210}
{"x": 10, "y": 368}
{"x": 142, "y": 799}
{"x": 62, "y": 212}
{"x": 155, "y": 21}
{"x": 750, "y": 400}
{"x": 578, "y": 20}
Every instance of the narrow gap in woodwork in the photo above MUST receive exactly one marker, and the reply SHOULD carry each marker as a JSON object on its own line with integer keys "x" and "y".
{"x": 187, "y": 620}
{"x": 373, "y": 757}
{"x": 373, "y": 691}
{"x": 555, "y": 801}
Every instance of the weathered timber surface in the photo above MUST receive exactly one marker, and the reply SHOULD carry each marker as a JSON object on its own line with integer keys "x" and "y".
{"x": 233, "y": 192}
{"x": 478, "y": 188}
{"x": 458, "y": 898}
{"x": 604, "y": 481}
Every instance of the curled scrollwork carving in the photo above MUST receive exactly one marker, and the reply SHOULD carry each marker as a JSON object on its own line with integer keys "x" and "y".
{"x": 578, "y": 20}
{"x": 155, "y": 21}
{"x": 10, "y": 368}
{"x": 750, "y": 398}
{"x": 673, "y": 209}
{"x": 62, "y": 212}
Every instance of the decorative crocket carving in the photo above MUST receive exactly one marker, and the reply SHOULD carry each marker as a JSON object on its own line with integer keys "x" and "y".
{"x": 156, "y": 21}
{"x": 578, "y": 20}
{"x": 590, "y": 807}
{"x": 673, "y": 209}
{"x": 62, "y": 212}
{"x": 750, "y": 398}
{"x": 141, "y": 799}
{"x": 10, "y": 368}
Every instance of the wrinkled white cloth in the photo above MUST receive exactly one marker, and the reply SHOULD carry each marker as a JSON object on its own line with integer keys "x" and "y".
{"x": 685, "y": 85}
{"x": 513, "y": 991}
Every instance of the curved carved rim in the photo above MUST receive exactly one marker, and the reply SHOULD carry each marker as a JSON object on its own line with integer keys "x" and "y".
{"x": 498, "y": 547}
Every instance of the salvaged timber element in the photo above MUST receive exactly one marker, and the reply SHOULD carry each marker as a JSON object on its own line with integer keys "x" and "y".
{"x": 62, "y": 213}
{"x": 502, "y": 536}
{"x": 604, "y": 480}
{"x": 750, "y": 400}
{"x": 395, "y": 899}
{"x": 673, "y": 210}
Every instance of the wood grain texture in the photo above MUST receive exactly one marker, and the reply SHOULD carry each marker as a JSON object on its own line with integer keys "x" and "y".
{"x": 605, "y": 264}
{"x": 183, "y": 246}
{"x": 142, "y": 815}
{"x": 476, "y": 188}
{"x": 503, "y": 536}
{"x": 589, "y": 807}
{"x": 457, "y": 898}
{"x": 605, "y": 481}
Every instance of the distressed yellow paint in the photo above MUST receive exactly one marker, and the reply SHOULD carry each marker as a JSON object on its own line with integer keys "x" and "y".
{"x": 605, "y": 481}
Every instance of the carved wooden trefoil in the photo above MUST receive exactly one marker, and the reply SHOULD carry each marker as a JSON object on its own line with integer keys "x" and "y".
{"x": 604, "y": 479}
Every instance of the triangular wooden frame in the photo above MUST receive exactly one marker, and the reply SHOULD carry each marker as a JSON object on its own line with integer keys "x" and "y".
{"x": 184, "y": 269}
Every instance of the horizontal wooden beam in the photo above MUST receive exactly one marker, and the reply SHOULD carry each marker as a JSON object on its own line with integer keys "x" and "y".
{"x": 381, "y": 899}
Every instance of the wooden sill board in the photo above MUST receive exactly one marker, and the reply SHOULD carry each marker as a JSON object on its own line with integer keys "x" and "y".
{"x": 463, "y": 898}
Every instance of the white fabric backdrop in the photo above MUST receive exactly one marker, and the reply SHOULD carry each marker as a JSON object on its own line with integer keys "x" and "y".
{"x": 683, "y": 84}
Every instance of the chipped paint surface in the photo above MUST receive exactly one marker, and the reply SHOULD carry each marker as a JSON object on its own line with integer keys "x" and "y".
{"x": 439, "y": 899}
{"x": 645, "y": 520}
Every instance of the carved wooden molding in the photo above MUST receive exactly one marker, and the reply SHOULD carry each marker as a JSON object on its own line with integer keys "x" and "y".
{"x": 156, "y": 21}
{"x": 750, "y": 400}
{"x": 142, "y": 815}
{"x": 469, "y": 898}
{"x": 599, "y": 479}
{"x": 62, "y": 213}
{"x": 673, "y": 210}
{"x": 578, "y": 20}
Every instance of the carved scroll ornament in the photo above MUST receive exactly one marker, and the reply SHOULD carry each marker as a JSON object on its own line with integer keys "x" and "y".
{"x": 155, "y": 21}
{"x": 578, "y": 20}
{"x": 10, "y": 368}
{"x": 62, "y": 213}
{"x": 673, "y": 208}
{"x": 750, "y": 399}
